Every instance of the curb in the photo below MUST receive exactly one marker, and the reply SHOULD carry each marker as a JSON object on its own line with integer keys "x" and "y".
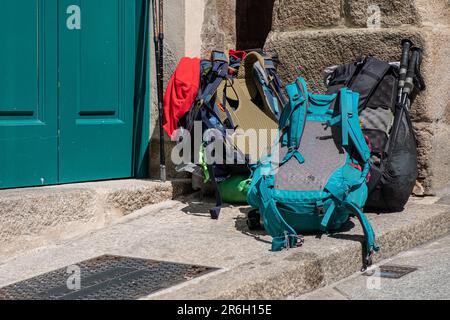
{"x": 320, "y": 262}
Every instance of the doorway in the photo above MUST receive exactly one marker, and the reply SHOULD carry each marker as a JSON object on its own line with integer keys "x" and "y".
{"x": 253, "y": 23}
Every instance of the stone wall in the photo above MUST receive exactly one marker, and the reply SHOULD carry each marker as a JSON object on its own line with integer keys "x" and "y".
{"x": 311, "y": 35}
{"x": 219, "y": 26}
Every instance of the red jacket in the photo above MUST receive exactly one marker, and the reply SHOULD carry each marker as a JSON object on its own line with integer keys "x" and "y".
{"x": 181, "y": 93}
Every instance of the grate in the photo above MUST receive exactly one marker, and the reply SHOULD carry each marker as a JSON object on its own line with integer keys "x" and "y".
{"x": 104, "y": 278}
{"x": 390, "y": 271}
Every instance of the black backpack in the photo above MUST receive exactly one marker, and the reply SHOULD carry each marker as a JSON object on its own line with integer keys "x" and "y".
{"x": 387, "y": 125}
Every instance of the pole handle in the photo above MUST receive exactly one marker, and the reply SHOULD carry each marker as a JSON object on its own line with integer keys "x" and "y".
{"x": 409, "y": 81}
{"x": 411, "y": 73}
{"x": 406, "y": 45}
{"x": 161, "y": 18}
{"x": 419, "y": 82}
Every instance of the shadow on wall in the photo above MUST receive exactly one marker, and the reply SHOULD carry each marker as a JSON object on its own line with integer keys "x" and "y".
{"x": 253, "y": 23}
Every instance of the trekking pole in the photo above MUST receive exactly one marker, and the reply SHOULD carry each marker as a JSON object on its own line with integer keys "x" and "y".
{"x": 406, "y": 44}
{"x": 410, "y": 75}
{"x": 158, "y": 38}
{"x": 161, "y": 91}
{"x": 155, "y": 28}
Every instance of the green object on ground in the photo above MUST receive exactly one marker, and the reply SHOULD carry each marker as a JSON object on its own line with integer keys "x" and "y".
{"x": 203, "y": 164}
{"x": 235, "y": 189}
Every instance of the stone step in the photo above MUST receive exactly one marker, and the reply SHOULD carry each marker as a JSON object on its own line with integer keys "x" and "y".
{"x": 32, "y": 217}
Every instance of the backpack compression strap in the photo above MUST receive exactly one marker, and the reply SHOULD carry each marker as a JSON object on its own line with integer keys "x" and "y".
{"x": 283, "y": 235}
{"x": 369, "y": 235}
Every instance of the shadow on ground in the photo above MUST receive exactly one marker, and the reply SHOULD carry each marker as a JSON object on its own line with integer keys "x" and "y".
{"x": 240, "y": 224}
{"x": 199, "y": 205}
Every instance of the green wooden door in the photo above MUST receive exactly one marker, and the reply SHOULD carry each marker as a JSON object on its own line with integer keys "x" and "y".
{"x": 67, "y": 91}
{"x": 28, "y": 93}
{"x": 96, "y": 75}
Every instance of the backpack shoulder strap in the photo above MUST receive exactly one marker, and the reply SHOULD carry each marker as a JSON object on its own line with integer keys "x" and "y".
{"x": 341, "y": 76}
{"x": 351, "y": 128}
{"x": 219, "y": 73}
{"x": 351, "y": 131}
{"x": 293, "y": 119}
{"x": 275, "y": 82}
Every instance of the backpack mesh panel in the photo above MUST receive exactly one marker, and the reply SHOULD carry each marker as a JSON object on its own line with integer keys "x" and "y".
{"x": 319, "y": 147}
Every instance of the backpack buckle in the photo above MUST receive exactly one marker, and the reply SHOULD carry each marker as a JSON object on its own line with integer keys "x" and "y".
{"x": 300, "y": 241}
{"x": 320, "y": 211}
{"x": 320, "y": 208}
{"x": 287, "y": 244}
{"x": 368, "y": 261}
{"x": 287, "y": 241}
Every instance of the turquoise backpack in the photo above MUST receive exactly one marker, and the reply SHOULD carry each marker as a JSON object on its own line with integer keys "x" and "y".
{"x": 315, "y": 177}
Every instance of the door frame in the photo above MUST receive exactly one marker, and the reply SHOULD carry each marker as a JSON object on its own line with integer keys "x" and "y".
{"x": 142, "y": 115}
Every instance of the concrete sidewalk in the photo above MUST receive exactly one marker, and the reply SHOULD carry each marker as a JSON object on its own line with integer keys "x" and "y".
{"x": 181, "y": 231}
{"x": 430, "y": 281}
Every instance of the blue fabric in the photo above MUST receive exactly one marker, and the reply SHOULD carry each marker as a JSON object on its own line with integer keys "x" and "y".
{"x": 220, "y": 73}
{"x": 275, "y": 84}
{"x": 270, "y": 94}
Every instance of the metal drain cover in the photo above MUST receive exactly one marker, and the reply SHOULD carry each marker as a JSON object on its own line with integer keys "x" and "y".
{"x": 104, "y": 278}
{"x": 390, "y": 271}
